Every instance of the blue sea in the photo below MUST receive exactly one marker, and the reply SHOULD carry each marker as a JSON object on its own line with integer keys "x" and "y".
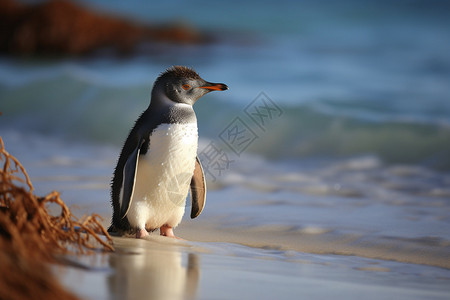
{"x": 345, "y": 107}
{"x": 352, "y": 78}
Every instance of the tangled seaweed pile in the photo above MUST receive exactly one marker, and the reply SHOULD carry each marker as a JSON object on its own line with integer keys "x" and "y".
{"x": 30, "y": 235}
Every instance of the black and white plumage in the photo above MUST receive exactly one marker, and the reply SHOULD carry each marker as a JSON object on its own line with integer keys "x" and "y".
{"x": 158, "y": 163}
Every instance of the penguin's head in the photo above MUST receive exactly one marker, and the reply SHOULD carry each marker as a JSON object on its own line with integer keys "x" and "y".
{"x": 184, "y": 85}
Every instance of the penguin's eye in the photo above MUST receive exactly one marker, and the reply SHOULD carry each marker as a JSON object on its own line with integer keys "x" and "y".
{"x": 186, "y": 86}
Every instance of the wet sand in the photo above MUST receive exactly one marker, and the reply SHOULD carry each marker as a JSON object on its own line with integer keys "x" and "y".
{"x": 163, "y": 268}
{"x": 286, "y": 238}
{"x": 277, "y": 234}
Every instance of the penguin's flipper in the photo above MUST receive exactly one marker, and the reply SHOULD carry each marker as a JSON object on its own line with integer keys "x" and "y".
{"x": 129, "y": 180}
{"x": 198, "y": 190}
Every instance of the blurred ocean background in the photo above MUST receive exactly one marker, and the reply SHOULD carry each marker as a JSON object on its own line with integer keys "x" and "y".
{"x": 353, "y": 78}
{"x": 362, "y": 144}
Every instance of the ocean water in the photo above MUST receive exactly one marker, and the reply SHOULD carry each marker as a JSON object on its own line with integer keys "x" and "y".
{"x": 351, "y": 78}
{"x": 345, "y": 107}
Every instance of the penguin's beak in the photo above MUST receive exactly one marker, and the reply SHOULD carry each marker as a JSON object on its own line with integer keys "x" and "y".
{"x": 214, "y": 86}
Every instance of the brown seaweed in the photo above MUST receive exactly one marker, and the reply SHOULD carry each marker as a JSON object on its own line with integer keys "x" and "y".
{"x": 31, "y": 236}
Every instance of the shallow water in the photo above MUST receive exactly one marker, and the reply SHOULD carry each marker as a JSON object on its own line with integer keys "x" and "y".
{"x": 351, "y": 207}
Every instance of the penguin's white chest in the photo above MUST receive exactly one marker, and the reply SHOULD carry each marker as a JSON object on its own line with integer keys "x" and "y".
{"x": 163, "y": 176}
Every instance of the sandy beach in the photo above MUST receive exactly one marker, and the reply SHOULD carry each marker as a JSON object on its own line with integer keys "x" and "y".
{"x": 251, "y": 242}
{"x": 159, "y": 268}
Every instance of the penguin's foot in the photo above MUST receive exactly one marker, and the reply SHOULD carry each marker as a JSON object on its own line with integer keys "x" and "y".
{"x": 141, "y": 233}
{"x": 166, "y": 230}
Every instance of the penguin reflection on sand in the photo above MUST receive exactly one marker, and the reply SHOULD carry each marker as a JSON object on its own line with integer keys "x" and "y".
{"x": 158, "y": 163}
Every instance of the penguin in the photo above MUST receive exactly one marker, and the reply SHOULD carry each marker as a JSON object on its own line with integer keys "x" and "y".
{"x": 158, "y": 164}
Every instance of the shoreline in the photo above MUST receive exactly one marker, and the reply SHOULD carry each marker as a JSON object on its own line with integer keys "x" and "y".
{"x": 285, "y": 239}
{"x": 237, "y": 250}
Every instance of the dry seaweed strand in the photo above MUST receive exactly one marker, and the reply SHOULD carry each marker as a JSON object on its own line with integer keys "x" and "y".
{"x": 24, "y": 278}
{"x": 27, "y": 225}
{"x": 30, "y": 236}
